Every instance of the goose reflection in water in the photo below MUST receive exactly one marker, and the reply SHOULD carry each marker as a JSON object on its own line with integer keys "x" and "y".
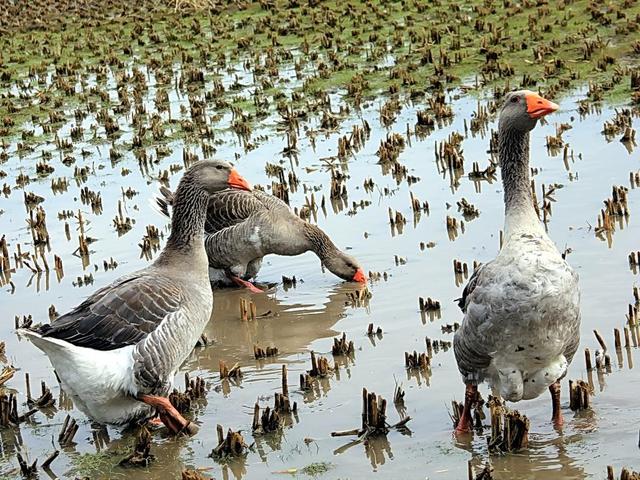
{"x": 291, "y": 327}
{"x": 547, "y": 456}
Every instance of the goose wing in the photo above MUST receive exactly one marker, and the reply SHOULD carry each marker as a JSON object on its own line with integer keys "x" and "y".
{"x": 468, "y": 289}
{"x": 572, "y": 339}
{"x": 470, "y": 343}
{"x": 119, "y": 314}
{"x": 230, "y": 207}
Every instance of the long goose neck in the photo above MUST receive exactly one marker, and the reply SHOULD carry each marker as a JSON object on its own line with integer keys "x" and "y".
{"x": 319, "y": 242}
{"x": 514, "y": 163}
{"x": 187, "y": 222}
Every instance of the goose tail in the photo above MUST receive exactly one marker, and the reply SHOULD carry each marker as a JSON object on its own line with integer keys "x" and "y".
{"x": 46, "y": 344}
{"x": 163, "y": 202}
{"x": 93, "y": 375}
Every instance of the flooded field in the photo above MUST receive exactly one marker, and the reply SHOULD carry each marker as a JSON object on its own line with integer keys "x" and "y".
{"x": 400, "y": 173}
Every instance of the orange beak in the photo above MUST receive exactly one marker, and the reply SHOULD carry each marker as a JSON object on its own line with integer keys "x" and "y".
{"x": 237, "y": 181}
{"x": 359, "y": 276}
{"x": 538, "y": 107}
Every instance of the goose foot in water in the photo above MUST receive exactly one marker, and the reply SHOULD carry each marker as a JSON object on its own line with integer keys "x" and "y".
{"x": 169, "y": 416}
{"x": 557, "y": 419}
{"x": 465, "y": 424}
{"x": 248, "y": 285}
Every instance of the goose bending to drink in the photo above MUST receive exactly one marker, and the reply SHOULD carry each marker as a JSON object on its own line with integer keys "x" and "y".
{"x": 522, "y": 316}
{"x": 117, "y": 352}
{"x": 242, "y": 227}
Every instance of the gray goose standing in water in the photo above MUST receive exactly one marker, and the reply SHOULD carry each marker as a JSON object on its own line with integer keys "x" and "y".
{"x": 242, "y": 227}
{"x": 117, "y": 352}
{"x": 522, "y": 316}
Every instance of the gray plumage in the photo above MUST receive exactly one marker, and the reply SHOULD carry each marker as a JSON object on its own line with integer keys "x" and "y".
{"x": 130, "y": 337}
{"x": 522, "y": 315}
{"x": 242, "y": 227}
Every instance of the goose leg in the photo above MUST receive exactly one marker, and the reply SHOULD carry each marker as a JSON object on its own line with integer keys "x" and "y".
{"x": 248, "y": 285}
{"x": 171, "y": 418}
{"x": 554, "y": 388}
{"x": 465, "y": 423}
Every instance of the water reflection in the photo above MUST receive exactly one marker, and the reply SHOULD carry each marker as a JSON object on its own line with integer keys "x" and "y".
{"x": 10, "y": 442}
{"x": 378, "y": 449}
{"x": 542, "y": 460}
{"x": 546, "y": 456}
{"x": 234, "y": 468}
{"x": 291, "y": 327}
{"x": 272, "y": 440}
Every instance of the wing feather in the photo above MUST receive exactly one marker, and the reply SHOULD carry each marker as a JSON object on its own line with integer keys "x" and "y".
{"x": 470, "y": 349}
{"x": 230, "y": 207}
{"x": 118, "y": 315}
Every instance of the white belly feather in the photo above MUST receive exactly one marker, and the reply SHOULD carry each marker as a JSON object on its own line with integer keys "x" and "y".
{"x": 101, "y": 383}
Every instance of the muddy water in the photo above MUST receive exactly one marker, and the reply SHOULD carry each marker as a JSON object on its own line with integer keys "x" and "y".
{"x": 307, "y": 317}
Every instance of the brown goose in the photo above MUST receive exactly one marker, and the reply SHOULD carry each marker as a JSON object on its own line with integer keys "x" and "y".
{"x": 242, "y": 227}
{"x": 117, "y": 352}
{"x": 522, "y": 310}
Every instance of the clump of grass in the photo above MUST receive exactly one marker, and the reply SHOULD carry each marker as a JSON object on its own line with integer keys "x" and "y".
{"x": 317, "y": 468}
{"x": 93, "y": 465}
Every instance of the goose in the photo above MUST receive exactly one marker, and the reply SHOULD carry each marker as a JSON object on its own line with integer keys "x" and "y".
{"x": 117, "y": 352}
{"x": 521, "y": 310}
{"x": 242, "y": 227}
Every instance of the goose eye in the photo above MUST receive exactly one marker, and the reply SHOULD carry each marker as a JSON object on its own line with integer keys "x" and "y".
{"x": 514, "y": 99}
{"x": 219, "y": 167}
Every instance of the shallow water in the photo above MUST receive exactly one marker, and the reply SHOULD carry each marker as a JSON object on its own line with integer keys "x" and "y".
{"x": 305, "y": 318}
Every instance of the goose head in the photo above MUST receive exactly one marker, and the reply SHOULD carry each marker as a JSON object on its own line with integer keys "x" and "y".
{"x": 345, "y": 267}
{"x": 522, "y": 109}
{"x": 216, "y": 175}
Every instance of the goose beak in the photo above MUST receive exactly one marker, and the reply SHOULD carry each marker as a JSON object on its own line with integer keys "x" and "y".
{"x": 237, "y": 181}
{"x": 538, "y": 107}
{"x": 359, "y": 276}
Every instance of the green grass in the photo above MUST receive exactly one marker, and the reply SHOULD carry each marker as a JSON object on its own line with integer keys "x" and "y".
{"x": 316, "y": 469}
{"x": 398, "y": 33}
{"x": 93, "y": 464}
